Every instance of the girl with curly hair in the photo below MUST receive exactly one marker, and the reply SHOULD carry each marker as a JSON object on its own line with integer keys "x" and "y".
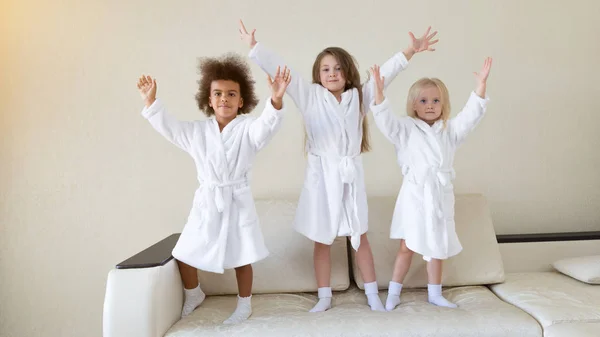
{"x": 222, "y": 230}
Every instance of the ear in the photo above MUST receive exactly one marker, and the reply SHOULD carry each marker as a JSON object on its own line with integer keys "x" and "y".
{"x": 241, "y": 102}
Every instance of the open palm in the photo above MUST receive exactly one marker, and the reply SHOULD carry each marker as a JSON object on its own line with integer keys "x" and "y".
{"x": 379, "y": 84}
{"x": 482, "y": 75}
{"x": 424, "y": 42}
{"x": 280, "y": 82}
{"x": 147, "y": 88}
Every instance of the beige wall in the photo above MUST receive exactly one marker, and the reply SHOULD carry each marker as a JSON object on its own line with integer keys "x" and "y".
{"x": 85, "y": 182}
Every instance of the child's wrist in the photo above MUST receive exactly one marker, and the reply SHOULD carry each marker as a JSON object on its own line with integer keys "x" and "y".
{"x": 277, "y": 102}
{"x": 409, "y": 52}
{"x": 149, "y": 101}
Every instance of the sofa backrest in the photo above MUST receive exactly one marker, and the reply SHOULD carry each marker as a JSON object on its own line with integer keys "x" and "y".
{"x": 289, "y": 267}
{"x": 479, "y": 262}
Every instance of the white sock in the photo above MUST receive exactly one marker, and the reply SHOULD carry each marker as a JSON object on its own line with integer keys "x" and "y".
{"x": 373, "y": 299}
{"x": 193, "y": 298}
{"x": 324, "y": 300}
{"x": 242, "y": 312}
{"x": 393, "y": 299}
{"x": 435, "y": 296}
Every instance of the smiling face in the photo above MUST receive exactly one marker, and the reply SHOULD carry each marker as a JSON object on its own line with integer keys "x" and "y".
{"x": 331, "y": 75}
{"x": 225, "y": 99}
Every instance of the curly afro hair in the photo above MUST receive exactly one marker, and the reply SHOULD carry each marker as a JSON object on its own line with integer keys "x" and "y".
{"x": 229, "y": 67}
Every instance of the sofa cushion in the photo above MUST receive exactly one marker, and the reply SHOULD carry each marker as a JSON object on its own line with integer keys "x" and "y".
{"x": 479, "y": 263}
{"x": 480, "y": 313}
{"x": 289, "y": 267}
{"x": 585, "y": 268}
{"x": 573, "y": 330}
{"x": 551, "y": 297}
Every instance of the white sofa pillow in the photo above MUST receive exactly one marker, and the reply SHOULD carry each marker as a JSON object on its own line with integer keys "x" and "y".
{"x": 479, "y": 263}
{"x": 584, "y": 268}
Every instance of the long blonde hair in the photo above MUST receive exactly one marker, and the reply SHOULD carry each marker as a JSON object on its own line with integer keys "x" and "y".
{"x": 352, "y": 76}
{"x": 415, "y": 91}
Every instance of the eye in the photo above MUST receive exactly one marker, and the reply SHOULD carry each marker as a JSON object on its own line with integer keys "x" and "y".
{"x": 422, "y": 101}
{"x": 232, "y": 94}
{"x": 217, "y": 94}
{"x": 436, "y": 100}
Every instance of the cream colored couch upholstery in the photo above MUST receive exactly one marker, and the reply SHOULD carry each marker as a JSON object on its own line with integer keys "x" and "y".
{"x": 287, "y": 315}
{"x": 562, "y": 305}
{"x": 147, "y": 302}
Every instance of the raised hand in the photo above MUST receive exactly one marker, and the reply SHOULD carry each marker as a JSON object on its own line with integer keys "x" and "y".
{"x": 278, "y": 84}
{"x": 248, "y": 38}
{"x": 378, "y": 83}
{"x": 482, "y": 77}
{"x": 424, "y": 42}
{"x": 147, "y": 87}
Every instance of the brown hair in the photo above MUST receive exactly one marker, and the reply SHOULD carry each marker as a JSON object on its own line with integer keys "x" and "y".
{"x": 350, "y": 71}
{"x": 415, "y": 91}
{"x": 229, "y": 67}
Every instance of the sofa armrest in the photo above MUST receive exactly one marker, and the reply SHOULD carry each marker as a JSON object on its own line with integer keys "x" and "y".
{"x": 144, "y": 294}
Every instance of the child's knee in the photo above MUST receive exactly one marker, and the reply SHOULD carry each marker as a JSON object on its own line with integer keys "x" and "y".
{"x": 322, "y": 246}
{"x": 404, "y": 250}
{"x": 243, "y": 268}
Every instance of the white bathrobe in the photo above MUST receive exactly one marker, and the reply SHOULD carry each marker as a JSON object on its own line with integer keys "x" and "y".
{"x": 222, "y": 229}
{"x": 424, "y": 212}
{"x": 333, "y": 200}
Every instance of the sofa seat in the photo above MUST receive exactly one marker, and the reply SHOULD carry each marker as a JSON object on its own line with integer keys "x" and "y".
{"x": 480, "y": 313}
{"x": 562, "y": 305}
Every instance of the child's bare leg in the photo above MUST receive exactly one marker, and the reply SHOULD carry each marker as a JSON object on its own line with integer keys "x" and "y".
{"x": 193, "y": 294}
{"x": 364, "y": 259}
{"x": 366, "y": 265}
{"x": 244, "y": 277}
{"x": 322, "y": 263}
{"x": 189, "y": 275}
{"x": 434, "y": 288}
{"x": 401, "y": 266}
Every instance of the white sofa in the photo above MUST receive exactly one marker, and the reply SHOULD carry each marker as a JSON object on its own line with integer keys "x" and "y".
{"x": 144, "y": 293}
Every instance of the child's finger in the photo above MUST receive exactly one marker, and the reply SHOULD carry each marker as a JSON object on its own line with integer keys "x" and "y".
{"x": 242, "y": 27}
{"x": 427, "y": 32}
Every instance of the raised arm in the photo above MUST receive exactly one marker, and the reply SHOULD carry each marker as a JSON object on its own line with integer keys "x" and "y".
{"x": 474, "y": 110}
{"x": 268, "y": 61}
{"x": 268, "y": 123}
{"x": 177, "y": 132}
{"x": 398, "y": 62}
{"x": 394, "y": 128}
